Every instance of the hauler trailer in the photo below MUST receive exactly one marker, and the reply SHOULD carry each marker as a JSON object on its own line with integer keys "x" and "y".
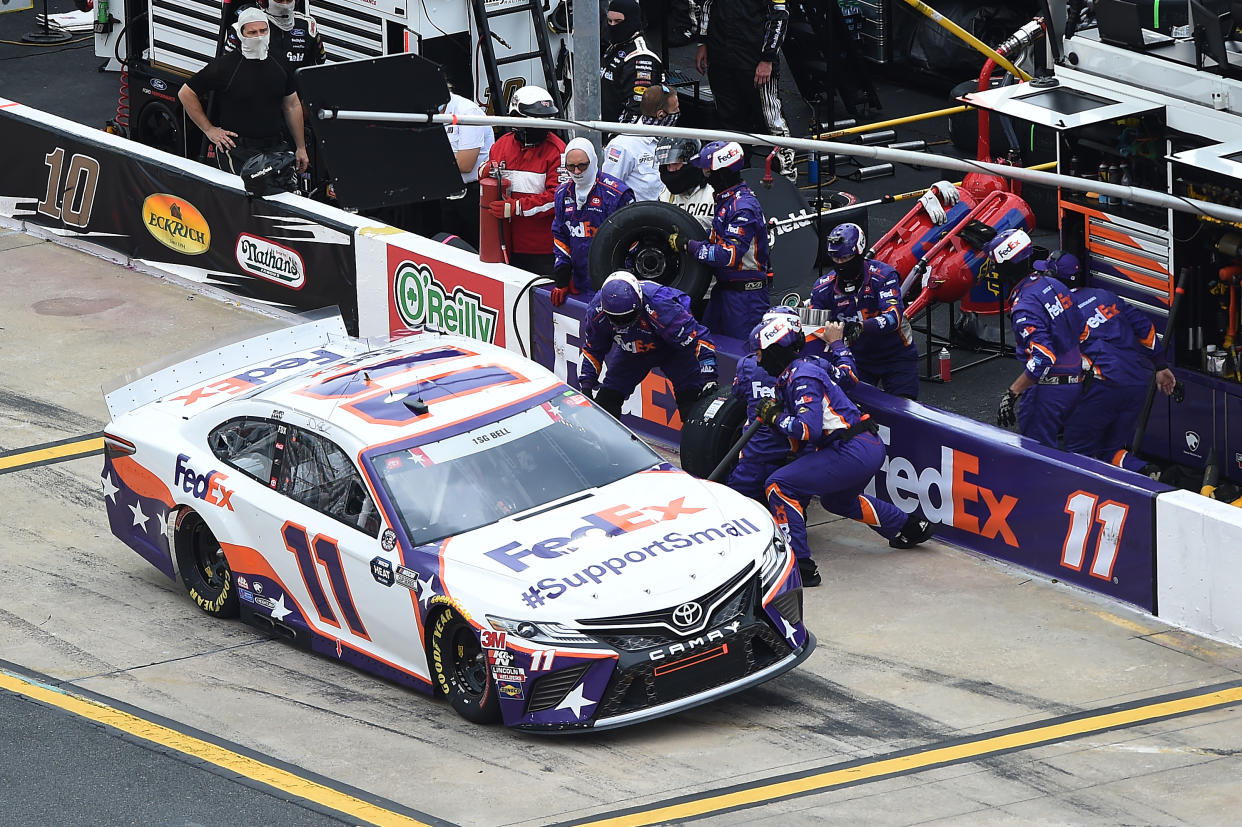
{"x": 158, "y": 44}
{"x": 1159, "y": 110}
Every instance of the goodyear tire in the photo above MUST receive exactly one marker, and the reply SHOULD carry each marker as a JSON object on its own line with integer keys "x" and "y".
{"x": 710, "y": 429}
{"x": 460, "y": 670}
{"x": 635, "y": 238}
{"x": 204, "y": 569}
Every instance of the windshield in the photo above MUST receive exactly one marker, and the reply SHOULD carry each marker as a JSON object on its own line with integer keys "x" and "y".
{"x": 542, "y": 454}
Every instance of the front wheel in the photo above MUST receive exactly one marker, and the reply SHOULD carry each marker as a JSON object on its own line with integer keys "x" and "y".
{"x": 203, "y": 566}
{"x": 461, "y": 670}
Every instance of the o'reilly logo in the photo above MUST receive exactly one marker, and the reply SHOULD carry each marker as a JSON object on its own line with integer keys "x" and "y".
{"x": 422, "y": 301}
{"x": 269, "y": 260}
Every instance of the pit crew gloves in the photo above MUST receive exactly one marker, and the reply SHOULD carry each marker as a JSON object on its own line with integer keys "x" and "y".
{"x": 1006, "y": 412}
{"x": 934, "y": 209}
{"x": 505, "y": 208}
{"x": 769, "y": 411}
{"x": 563, "y": 276}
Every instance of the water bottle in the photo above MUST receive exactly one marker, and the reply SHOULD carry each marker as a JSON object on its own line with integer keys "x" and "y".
{"x": 945, "y": 365}
{"x": 1126, "y": 179}
{"x": 812, "y": 168}
{"x": 1103, "y": 176}
{"x": 1114, "y": 177}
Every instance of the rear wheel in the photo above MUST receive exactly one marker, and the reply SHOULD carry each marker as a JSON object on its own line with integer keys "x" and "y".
{"x": 203, "y": 566}
{"x": 460, "y": 667}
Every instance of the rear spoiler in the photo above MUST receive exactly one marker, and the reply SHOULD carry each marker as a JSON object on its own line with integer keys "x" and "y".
{"x": 221, "y": 364}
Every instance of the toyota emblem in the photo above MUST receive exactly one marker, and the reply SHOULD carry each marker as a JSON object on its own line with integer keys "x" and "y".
{"x": 687, "y": 615}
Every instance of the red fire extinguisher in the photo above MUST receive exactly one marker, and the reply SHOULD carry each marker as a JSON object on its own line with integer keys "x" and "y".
{"x": 495, "y": 233}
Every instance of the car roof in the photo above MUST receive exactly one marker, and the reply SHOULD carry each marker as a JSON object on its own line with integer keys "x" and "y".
{"x": 413, "y": 386}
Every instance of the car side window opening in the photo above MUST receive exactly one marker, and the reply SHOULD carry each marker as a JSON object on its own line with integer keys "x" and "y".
{"x": 318, "y": 474}
{"x": 247, "y": 444}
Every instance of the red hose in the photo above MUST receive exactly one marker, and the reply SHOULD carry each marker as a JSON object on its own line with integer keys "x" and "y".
{"x": 984, "y": 151}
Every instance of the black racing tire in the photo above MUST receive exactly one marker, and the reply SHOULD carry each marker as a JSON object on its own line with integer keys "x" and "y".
{"x": 204, "y": 568}
{"x": 710, "y": 428}
{"x": 635, "y": 238}
{"x": 158, "y": 126}
{"x": 460, "y": 670}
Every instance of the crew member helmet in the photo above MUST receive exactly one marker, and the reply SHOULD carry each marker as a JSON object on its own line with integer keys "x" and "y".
{"x": 720, "y": 155}
{"x": 621, "y": 298}
{"x": 846, "y": 240}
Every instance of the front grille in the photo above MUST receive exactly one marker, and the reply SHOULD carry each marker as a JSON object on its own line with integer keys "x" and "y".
{"x": 642, "y": 622}
{"x": 548, "y": 691}
{"x": 636, "y": 643}
{"x": 789, "y": 605}
{"x": 753, "y": 649}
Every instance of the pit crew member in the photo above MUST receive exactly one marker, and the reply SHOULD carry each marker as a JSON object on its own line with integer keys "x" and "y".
{"x": 737, "y": 250}
{"x": 528, "y": 161}
{"x": 684, "y": 184}
{"x": 631, "y": 158}
{"x": 836, "y": 449}
{"x": 295, "y": 39}
{"x": 628, "y": 66}
{"x": 631, "y": 327}
{"x": 865, "y": 295}
{"x": 257, "y": 96}
{"x": 582, "y": 204}
{"x": 1122, "y": 347}
{"x": 1046, "y": 329}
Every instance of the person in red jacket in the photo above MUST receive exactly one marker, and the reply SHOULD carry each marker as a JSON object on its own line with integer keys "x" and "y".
{"x": 528, "y": 162}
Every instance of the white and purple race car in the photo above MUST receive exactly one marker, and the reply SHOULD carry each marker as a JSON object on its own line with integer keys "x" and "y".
{"x": 452, "y": 517}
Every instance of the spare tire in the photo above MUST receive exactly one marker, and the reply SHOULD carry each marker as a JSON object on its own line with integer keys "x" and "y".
{"x": 709, "y": 431}
{"x": 635, "y": 238}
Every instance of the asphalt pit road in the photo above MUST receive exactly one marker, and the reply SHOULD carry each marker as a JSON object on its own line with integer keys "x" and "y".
{"x": 74, "y": 306}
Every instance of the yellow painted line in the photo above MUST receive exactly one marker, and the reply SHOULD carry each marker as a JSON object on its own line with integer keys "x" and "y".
{"x": 252, "y": 768}
{"x": 902, "y": 764}
{"x": 82, "y": 447}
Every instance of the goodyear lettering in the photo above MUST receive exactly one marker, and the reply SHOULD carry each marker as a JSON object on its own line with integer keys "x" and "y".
{"x": 948, "y": 494}
{"x": 206, "y": 487}
{"x": 610, "y": 522}
{"x": 422, "y": 301}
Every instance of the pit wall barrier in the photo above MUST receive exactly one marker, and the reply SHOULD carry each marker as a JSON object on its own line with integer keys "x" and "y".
{"x": 1171, "y": 553}
{"x": 160, "y": 213}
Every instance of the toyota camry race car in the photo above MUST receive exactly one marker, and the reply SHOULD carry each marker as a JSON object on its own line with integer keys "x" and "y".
{"x": 447, "y": 515}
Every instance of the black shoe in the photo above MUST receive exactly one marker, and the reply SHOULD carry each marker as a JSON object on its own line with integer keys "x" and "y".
{"x": 809, "y": 572}
{"x": 916, "y": 530}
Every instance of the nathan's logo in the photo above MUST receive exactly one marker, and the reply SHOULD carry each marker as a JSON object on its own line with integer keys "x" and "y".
{"x": 949, "y": 495}
{"x": 422, "y": 301}
{"x": 271, "y": 261}
{"x": 176, "y": 224}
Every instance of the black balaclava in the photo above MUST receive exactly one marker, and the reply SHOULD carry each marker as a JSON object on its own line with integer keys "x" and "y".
{"x": 849, "y": 273}
{"x": 682, "y": 180}
{"x": 775, "y": 358}
{"x": 722, "y": 179}
{"x": 624, "y": 31}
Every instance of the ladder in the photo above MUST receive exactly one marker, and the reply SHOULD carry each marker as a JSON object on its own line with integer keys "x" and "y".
{"x": 483, "y": 18}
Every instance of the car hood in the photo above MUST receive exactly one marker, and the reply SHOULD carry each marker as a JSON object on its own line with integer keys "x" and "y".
{"x": 648, "y": 542}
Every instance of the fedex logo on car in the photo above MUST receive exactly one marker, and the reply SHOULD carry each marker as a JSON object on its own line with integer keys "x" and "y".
{"x": 950, "y": 494}
{"x": 206, "y": 487}
{"x": 619, "y": 519}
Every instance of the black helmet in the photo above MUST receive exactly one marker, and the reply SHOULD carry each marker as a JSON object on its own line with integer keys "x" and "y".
{"x": 268, "y": 173}
{"x": 676, "y": 150}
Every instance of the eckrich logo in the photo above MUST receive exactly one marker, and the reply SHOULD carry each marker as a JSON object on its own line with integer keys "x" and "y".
{"x": 175, "y": 223}
{"x": 943, "y": 493}
{"x": 271, "y": 261}
{"x": 206, "y": 487}
{"x": 422, "y": 301}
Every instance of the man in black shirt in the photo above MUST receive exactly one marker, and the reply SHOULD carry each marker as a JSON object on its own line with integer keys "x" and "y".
{"x": 628, "y": 66}
{"x": 255, "y": 97}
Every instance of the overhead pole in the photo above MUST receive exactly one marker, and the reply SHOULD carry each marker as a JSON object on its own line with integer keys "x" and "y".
{"x": 584, "y": 39}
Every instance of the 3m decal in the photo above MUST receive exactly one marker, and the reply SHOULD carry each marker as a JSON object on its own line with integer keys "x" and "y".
{"x": 491, "y": 639}
{"x": 324, "y": 550}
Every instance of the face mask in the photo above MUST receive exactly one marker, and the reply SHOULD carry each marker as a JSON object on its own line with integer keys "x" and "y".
{"x": 255, "y": 48}
{"x": 668, "y": 120}
{"x": 774, "y": 359}
{"x": 682, "y": 180}
{"x": 722, "y": 179}
{"x": 281, "y": 14}
{"x": 530, "y": 137}
{"x": 849, "y": 273}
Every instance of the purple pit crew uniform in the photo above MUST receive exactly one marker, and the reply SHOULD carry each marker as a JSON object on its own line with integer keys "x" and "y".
{"x": 1120, "y": 343}
{"x": 884, "y": 351}
{"x": 768, "y": 449}
{"x": 737, "y": 252}
{"x": 836, "y": 447}
{"x": 1046, "y": 329}
{"x": 663, "y": 336}
{"x": 573, "y": 227}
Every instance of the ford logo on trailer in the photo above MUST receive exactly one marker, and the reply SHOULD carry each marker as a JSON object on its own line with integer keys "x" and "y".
{"x": 158, "y": 84}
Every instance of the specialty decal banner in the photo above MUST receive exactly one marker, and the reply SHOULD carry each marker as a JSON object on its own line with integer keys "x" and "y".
{"x": 176, "y": 215}
{"x": 991, "y": 491}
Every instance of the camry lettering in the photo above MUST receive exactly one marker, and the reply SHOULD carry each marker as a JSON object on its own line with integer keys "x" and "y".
{"x": 609, "y": 522}
{"x": 206, "y": 487}
{"x": 699, "y": 642}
